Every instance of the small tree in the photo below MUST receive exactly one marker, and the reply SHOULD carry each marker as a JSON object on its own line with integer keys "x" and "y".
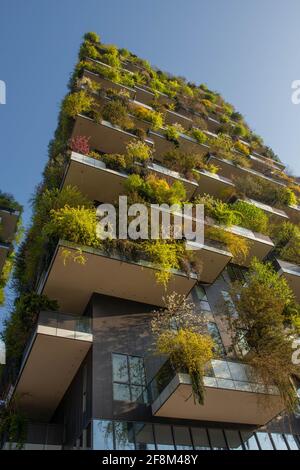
{"x": 181, "y": 334}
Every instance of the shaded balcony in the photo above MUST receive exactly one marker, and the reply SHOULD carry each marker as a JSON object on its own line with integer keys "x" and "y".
{"x": 8, "y": 223}
{"x": 232, "y": 395}
{"x": 5, "y": 249}
{"x": 40, "y": 436}
{"x": 51, "y": 359}
{"x": 291, "y": 272}
{"x": 72, "y": 284}
{"x": 213, "y": 184}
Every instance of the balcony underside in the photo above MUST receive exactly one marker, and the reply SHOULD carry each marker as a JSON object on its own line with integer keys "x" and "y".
{"x": 8, "y": 223}
{"x": 177, "y": 118}
{"x": 222, "y": 405}
{"x": 210, "y": 261}
{"x": 104, "y": 136}
{"x": 212, "y": 184}
{"x": 291, "y": 272}
{"x": 72, "y": 284}
{"x": 51, "y": 364}
{"x": 293, "y": 213}
{"x": 187, "y": 145}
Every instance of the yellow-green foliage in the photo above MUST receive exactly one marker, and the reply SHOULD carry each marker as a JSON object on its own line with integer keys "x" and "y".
{"x": 138, "y": 150}
{"x": 199, "y": 136}
{"x": 240, "y": 147}
{"x": 78, "y": 103}
{"x": 4, "y": 276}
{"x": 188, "y": 352}
{"x": 155, "y": 190}
{"x": 155, "y": 118}
{"x": 238, "y": 246}
{"x": 167, "y": 254}
{"x": 74, "y": 224}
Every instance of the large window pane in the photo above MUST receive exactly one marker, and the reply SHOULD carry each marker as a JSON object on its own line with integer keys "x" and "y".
{"x": 137, "y": 376}
{"x": 163, "y": 437}
{"x": 279, "y": 441}
{"x": 249, "y": 441}
{"x": 233, "y": 439}
{"x": 124, "y": 435}
{"x": 144, "y": 437}
{"x": 182, "y": 438}
{"x": 120, "y": 368}
{"x": 121, "y": 392}
{"x": 264, "y": 441}
{"x": 102, "y": 435}
{"x": 138, "y": 394}
{"x": 217, "y": 439}
{"x": 200, "y": 439}
{"x": 291, "y": 442}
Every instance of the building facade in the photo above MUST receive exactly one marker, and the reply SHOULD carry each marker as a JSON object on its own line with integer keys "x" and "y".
{"x": 88, "y": 376}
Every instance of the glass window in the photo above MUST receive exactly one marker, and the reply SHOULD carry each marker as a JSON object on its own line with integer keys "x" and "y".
{"x": 233, "y": 439}
{"x": 201, "y": 298}
{"x": 249, "y": 440}
{"x": 103, "y": 435}
{"x": 264, "y": 441}
{"x": 229, "y": 303}
{"x": 217, "y": 439}
{"x": 213, "y": 331}
{"x": 200, "y": 439}
{"x": 163, "y": 437}
{"x": 120, "y": 368}
{"x": 291, "y": 442}
{"x": 129, "y": 378}
{"x": 279, "y": 441}
{"x": 124, "y": 435}
{"x": 236, "y": 273}
{"x": 144, "y": 437}
{"x": 182, "y": 438}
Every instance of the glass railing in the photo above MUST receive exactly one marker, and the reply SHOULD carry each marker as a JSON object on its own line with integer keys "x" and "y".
{"x": 74, "y": 325}
{"x": 219, "y": 373}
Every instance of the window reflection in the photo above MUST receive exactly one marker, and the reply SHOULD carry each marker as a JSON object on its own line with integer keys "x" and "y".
{"x": 264, "y": 441}
{"x": 182, "y": 438}
{"x": 233, "y": 439}
{"x": 217, "y": 439}
{"x": 144, "y": 437}
{"x": 103, "y": 435}
{"x": 291, "y": 440}
{"x": 200, "y": 439}
{"x": 249, "y": 441}
{"x": 124, "y": 435}
{"x": 279, "y": 441}
{"x": 163, "y": 437}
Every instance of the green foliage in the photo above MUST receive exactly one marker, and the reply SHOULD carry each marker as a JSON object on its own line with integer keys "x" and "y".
{"x": 137, "y": 150}
{"x": 92, "y": 37}
{"x": 167, "y": 255}
{"x": 155, "y": 118}
{"x": 78, "y": 103}
{"x": 74, "y": 224}
{"x": 8, "y": 201}
{"x": 18, "y": 326}
{"x": 286, "y": 237}
{"x": 13, "y": 425}
{"x": 88, "y": 50}
{"x": 199, "y": 135}
{"x": 116, "y": 112}
{"x": 261, "y": 322}
{"x": 155, "y": 190}
{"x": 172, "y": 132}
{"x": 4, "y": 276}
{"x": 242, "y": 148}
{"x": 251, "y": 217}
{"x": 220, "y": 211}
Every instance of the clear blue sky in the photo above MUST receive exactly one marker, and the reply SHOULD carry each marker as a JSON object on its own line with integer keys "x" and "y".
{"x": 248, "y": 51}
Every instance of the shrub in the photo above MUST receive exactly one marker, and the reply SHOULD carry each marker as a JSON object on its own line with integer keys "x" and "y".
{"x": 138, "y": 150}
{"x": 199, "y": 136}
{"x": 80, "y": 144}
{"x": 287, "y": 197}
{"x": 242, "y": 148}
{"x": 93, "y": 37}
{"x": 188, "y": 352}
{"x": 286, "y": 237}
{"x": 251, "y": 217}
{"x": 114, "y": 161}
{"x": 8, "y": 201}
{"x": 167, "y": 255}
{"x": 172, "y": 133}
{"x": 155, "y": 190}
{"x": 74, "y": 224}
{"x": 117, "y": 113}
{"x": 155, "y": 118}
{"x": 209, "y": 106}
{"x": 88, "y": 50}
{"x": 238, "y": 246}
{"x": 78, "y": 103}
{"x": 239, "y": 131}
{"x": 220, "y": 211}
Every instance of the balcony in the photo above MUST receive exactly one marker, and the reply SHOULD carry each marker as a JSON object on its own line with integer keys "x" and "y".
{"x": 8, "y": 223}
{"x": 176, "y": 118}
{"x": 5, "y": 249}
{"x": 231, "y": 171}
{"x": 72, "y": 284}
{"x": 186, "y": 144}
{"x": 232, "y": 395}
{"x": 51, "y": 359}
{"x": 144, "y": 94}
{"x": 108, "y": 84}
{"x": 105, "y": 137}
{"x": 291, "y": 272}
{"x": 213, "y": 184}
{"x": 40, "y": 436}
{"x": 102, "y": 184}
{"x": 294, "y": 213}
{"x": 211, "y": 258}
{"x": 259, "y": 245}
{"x": 261, "y": 162}
{"x": 276, "y": 214}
